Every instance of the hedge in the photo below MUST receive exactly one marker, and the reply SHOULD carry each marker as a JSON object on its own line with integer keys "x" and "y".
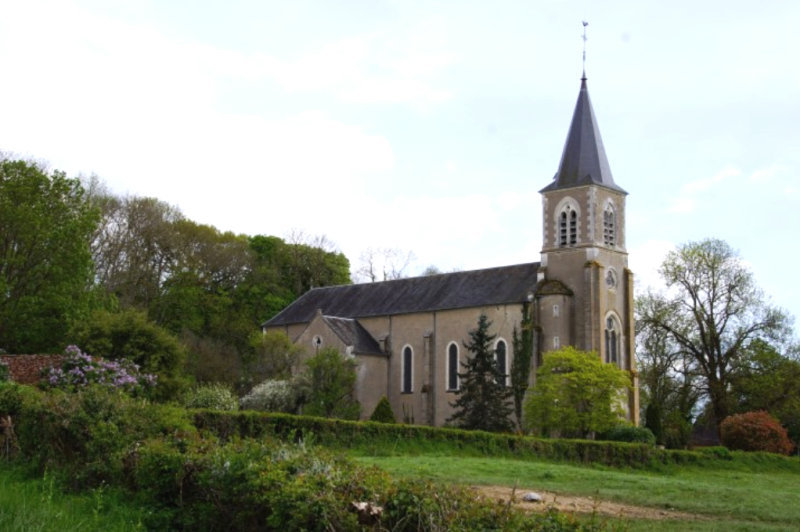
{"x": 380, "y": 438}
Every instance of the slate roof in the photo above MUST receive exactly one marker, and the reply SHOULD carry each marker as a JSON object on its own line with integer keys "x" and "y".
{"x": 584, "y": 160}
{"x": 353, "y": 333}
{"x": 477, "y": 288}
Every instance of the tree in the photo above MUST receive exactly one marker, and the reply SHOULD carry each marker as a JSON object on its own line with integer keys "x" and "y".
{"x": 521, "y": 364}
{"x": 712, "y": 311}
{"x": 330, "y": 378}
{"x": 273, "y": 356}
{"x": 483, "y": 400}
{"x": 755, "y": 431}
{"x": 576, "y": 394}
{"x": 667, "y": 376}
{"x": 767, "y": 380}
{"x": 130, "y": 335}
{"x": 384, "y": 264}
{"x": 46, "y": 224}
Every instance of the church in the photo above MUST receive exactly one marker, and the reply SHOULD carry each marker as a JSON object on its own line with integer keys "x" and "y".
{"x": 408, "y": 335}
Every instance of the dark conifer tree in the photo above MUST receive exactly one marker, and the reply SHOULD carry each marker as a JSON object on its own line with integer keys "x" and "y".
{"x": 484, "y": 401}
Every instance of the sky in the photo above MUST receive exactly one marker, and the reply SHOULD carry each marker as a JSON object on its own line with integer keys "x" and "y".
{"x": 428, "y": 126}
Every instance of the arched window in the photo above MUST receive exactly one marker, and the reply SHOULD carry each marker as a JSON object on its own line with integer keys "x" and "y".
{"x": 568, "y": 226}
{"x": 612, "y": 340}
{"x": 452, "y": 366}
{"x": 408, "y": 372}
{"x": 501, "y": 359}
{"x": 609, "y": 227}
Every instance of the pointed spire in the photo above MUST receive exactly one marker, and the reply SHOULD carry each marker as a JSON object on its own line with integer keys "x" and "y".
{"x": 584, "y": 160}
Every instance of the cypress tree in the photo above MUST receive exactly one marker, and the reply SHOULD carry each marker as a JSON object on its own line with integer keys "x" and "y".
{"x": 484, "y": 402}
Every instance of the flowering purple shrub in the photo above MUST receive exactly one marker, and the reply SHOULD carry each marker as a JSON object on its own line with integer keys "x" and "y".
{"x": 80, "y": 370}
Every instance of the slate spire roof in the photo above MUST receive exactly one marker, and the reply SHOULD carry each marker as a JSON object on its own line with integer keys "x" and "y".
{"x": 584, "y": 160}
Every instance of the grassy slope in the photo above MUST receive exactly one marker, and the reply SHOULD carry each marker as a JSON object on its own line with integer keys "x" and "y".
{"x": 37, "y": 505}
{"x": 738, "y": 498}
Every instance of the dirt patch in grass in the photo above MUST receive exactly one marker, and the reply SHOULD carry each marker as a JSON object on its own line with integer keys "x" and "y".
{"x": 582, "y": 505}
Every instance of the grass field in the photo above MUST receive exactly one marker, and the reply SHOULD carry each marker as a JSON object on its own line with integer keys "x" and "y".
{"x": 739, "y": 498}
{"x": 37, "y": 505}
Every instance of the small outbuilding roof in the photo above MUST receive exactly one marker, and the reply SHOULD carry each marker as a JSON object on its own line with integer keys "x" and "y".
{"x": 354, "y": 334}
{"x": 447, "y": 291}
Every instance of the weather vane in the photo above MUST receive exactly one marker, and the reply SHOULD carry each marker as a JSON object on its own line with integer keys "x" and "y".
{"x": 584, "y": 48}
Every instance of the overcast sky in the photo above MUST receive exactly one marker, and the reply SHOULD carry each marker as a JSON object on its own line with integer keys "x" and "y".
{"x": 425, "y": 125}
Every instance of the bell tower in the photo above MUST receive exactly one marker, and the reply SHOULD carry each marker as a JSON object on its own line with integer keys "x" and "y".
{"x": 584, "y": 297}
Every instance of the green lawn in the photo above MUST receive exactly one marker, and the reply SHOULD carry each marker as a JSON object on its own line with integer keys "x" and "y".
{"x": 37, "y": 505}
{"x": 734, "y": 499}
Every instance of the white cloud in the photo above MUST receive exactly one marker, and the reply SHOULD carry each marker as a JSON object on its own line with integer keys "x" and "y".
{"x": 766, "y": 174}
{"x": 688, "y": 195}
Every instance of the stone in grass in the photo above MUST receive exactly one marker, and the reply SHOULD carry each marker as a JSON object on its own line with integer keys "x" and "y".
{"x": 532, "y": 497}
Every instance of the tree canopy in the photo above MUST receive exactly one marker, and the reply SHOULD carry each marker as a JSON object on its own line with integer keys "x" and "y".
{"x": 711, "y": 313}
{"x": 45, "y": 262}
{"x": 576, "y": 394}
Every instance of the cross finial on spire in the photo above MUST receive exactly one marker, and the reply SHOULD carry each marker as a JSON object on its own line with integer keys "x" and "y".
{"x": 584, "y": 49}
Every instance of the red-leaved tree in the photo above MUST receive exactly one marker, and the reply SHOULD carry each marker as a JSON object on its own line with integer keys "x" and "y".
{"x": 755, "y": 431}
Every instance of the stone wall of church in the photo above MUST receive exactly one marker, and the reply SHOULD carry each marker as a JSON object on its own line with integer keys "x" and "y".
{"x": 429, "y": 335}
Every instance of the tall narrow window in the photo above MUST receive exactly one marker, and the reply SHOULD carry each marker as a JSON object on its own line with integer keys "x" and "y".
{"x": 573, "y": 228}
{"x": 568, "y": 226}
{"x": 612, "y": 340}
{"x": 562, "y": 230}
{"x": 408, "y": 363}
{"x": 556, "y": 342}
{"x": 452, "y": 367}
{"x": 502, "y": 361}
{"x": 609, "y": 227}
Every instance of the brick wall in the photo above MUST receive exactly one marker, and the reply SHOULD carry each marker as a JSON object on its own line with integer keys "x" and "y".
{"x": 27, "y": 369}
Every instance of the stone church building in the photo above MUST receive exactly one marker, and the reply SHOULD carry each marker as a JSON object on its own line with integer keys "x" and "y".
{"x": 407, "y": 335}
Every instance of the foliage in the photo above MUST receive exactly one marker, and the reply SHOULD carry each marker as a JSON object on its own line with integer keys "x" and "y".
{"x": 712, "y": 312}
{"x": 213, "y": 395}
{"x": 521, "y": 364}
{"x": 89, "y": 434}
{"x": 576, "y": 394}
{"x": 668, "y": 380}
{"x": 383, "y": 412}
{"x": 79, "y": 370}
{"x": 272, "y": 396}
{"x": 45, "y": 263}
{"x": 653, "y": 422}
{"x": 273, "y": 356}
{"x": 130, "y": 335}
{"x": 483, "y": 400}
{"x": 630, "y": 434}
{"x": 330, "y": 379}
{"x": 768, "y": 380}
{"x": 755, "y": 431}
{"x": 390, "y": 439}
{"x": 4, "y": 375}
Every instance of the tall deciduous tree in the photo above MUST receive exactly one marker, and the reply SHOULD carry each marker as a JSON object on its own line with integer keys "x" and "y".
{"x": 713, "y": 310}
{"x": 576, "y": 394}
{"x": 483, "y": 400}
{"x": 46, "y": 224}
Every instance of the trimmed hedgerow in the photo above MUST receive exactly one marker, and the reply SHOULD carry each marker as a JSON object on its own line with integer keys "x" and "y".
{"x": 631, "y": 434}
{"x": 755, "y": 431}
{"x": 380, "y": 438}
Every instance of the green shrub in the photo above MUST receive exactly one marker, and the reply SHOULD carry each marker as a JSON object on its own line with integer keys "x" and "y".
{"x": 271, "y": 396}
{"x": 90, "y": 433}
{"x": 4, "y": 376}
{"x": 631, "y": 434}
{"x": 755, "y": 431}
{"x": 383, "y": 412}
{"x": 130, "y": 335}
{"x": 216, "y": 396}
